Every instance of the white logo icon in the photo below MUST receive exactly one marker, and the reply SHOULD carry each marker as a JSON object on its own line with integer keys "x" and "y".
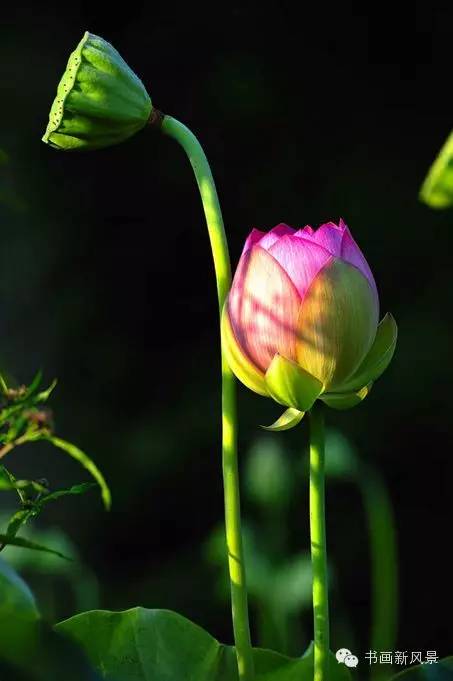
{"x": 344, "y": 656}
{"x": 341, "y": 654}
{"x": 351, "y": 660}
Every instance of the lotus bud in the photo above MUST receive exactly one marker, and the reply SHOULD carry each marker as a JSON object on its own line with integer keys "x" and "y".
{"x": 301, "y": 320}
{"x": 100, "y": 101}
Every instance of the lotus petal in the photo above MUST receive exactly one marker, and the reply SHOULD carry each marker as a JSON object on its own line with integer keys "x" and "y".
{"x": 301, "y": 259}
{"x": 240, "y": 364}
{"x": 263, "y": 307}
{"x": 337, "y": 324}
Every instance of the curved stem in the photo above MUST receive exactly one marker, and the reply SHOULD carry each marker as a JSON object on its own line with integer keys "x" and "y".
{"x": 219, "y": 247}
{"x": 318, "y": 545}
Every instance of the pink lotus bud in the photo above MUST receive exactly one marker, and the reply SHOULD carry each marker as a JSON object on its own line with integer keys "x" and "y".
{"x": 301, "y": 319}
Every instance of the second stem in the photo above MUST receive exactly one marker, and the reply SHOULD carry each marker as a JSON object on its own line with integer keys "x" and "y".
{"x": 318, "y": 544}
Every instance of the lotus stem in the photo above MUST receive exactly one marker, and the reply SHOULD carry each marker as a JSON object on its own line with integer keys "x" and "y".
{"x": 318, "y": 544}
{"x": 219, "y": 247}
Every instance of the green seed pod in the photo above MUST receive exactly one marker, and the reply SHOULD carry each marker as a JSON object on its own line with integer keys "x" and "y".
{"x": 100, "y": 101}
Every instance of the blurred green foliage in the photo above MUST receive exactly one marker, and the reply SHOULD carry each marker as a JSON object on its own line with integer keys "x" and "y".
{"x": 106, "y": 282}
{"x": 279, "y": 581}
{"x": 51, "y": 577}
{"x": 29, "y": 649}
{"x": 437, "y": 189}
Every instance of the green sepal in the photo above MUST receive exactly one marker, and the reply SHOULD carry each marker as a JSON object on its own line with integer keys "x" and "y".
{"x": 289, "y": 419}
{"x": 100, "y": 101}
{"x": 437, "y": 189}
{"x": 291, "y": 385}
{"x": 342, "y": 401}
{"x": 377, "y": 359}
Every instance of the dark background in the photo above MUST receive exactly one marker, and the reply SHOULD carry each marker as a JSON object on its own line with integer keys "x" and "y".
{"x": 107, "y": 282}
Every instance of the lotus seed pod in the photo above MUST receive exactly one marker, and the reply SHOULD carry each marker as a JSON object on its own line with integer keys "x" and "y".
{"x": 100, "y": 101}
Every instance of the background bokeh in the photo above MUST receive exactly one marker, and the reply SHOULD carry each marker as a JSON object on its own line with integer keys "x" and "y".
{"x": 107, "y": 283}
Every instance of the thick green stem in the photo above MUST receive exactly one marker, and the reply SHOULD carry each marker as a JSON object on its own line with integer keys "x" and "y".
{"x": 318, "y": 545}
{"x": 219, "y": 246}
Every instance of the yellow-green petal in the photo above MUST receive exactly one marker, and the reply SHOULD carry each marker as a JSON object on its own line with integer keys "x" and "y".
{"x": 337, "y": 323}
{"x": 289, "y": 419}
{"x": 343, "y": 401}
{"x": 100, "y": 101}
{"x": 378, "y": 358}
{"x": 291, "y": 385}
{"x": 240, "y": 364}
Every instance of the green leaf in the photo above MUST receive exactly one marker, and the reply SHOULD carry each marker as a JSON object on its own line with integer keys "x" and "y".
{"x": 75, "y": 489}
{"x": 33, "y": 508}
{"x": 8, "y": 485}
{"x": 18, "y": 519}
{"x": 34, "y": 485}
{"x": 140, "y": 644}
{"x": 7, "y": 539}
{"x": 26, "y": 393}
{"x": 440, "y": 671}
{"x": 8, "y": 412}
{"x": 85, "y": 461}
{"x": 291, "y": 385}
{"x": 34, "y": 385}
{"x": 6, "y": 479}
{"x": 290, "y": 418}
{"x": 437, "y": 189}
